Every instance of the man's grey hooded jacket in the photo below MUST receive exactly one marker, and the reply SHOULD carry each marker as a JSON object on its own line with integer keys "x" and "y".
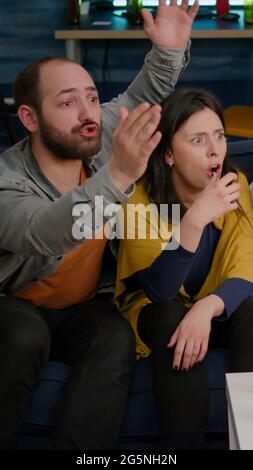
{"x": 36, "y": 221}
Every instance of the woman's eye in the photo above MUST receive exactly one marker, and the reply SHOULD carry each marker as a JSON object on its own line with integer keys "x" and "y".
{"x": 198, "y": 139}
{"x": 220, "y": 135}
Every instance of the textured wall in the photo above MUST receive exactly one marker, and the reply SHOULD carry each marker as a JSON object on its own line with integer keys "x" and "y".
{"x": 27, "y": 32}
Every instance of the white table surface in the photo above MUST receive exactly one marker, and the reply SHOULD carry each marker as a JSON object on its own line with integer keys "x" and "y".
{"x": 239, "y": 388}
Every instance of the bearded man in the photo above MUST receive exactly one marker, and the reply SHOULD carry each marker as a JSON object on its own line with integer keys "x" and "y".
{"x": 49, "y": 308}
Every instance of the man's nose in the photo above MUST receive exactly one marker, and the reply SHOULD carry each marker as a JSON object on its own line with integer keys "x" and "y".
{"x": 85, "y": 112}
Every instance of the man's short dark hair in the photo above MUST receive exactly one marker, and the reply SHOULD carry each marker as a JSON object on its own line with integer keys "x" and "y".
{"x": 26, "y": 85}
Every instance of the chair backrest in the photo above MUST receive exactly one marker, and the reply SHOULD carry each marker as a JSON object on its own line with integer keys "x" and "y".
{"x": 6, "y": 120}
{"x": 11, "y": 129}
{"x": 241, "y": 155}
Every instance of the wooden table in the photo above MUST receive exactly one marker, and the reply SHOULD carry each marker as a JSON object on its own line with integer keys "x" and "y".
{"x": 118, "y": 28}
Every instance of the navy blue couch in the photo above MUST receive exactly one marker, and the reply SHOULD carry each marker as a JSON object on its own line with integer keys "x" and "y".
{"x": 141, "y": 428}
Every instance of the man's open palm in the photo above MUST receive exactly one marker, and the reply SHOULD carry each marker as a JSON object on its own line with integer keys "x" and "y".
{"x": 172, "y": 25}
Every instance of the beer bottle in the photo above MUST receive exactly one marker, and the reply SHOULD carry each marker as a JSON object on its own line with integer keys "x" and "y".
{"x": 248, "y": 11}
{"x": 73, "y": 11}
{"x": 134, "y": 11}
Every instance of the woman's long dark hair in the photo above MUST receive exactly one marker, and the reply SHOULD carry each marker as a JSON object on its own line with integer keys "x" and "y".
{"x": 176, "y": 109}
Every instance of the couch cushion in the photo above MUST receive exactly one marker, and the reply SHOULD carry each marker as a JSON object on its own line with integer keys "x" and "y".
{"x": 141, "y": 417}
{"x": 216, "y": 362}
{"x": 43, "y": 404}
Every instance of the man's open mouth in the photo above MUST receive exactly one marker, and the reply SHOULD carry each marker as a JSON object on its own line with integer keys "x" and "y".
{"x": 90, "y": 130}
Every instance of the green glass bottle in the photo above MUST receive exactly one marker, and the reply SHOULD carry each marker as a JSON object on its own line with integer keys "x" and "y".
{"x": 248, "y": 11}
{"x": 134, "y": 11}
{"x": 73, "y": 11}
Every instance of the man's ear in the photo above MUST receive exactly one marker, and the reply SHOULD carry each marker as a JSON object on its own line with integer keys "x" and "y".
{"x": 28, "y": 117}
{"x": 169, "y": 158}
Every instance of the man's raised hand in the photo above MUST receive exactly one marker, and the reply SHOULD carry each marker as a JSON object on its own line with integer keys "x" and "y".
{"x": 173, "y": 23}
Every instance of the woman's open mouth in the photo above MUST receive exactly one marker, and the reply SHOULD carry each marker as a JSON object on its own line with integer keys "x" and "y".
{"x": 214, "y": 169}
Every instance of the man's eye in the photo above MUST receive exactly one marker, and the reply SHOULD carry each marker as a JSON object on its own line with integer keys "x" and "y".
{"x": 67, "y": 103}
{"x": 93, "y": 99}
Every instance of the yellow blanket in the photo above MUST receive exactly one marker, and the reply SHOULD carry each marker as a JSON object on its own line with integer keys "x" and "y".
{"x": 233, "y": 256}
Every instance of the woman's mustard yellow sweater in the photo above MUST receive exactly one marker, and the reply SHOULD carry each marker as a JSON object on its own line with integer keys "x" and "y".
{"x": 233, "y": 257}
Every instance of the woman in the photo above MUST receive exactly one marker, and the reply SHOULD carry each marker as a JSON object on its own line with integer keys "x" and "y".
{"x": 181, "y": 300}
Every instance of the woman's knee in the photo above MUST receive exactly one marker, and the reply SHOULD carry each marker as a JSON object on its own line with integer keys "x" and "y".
{"x": 243, "y": 316}
{"x": 164, "y": 318}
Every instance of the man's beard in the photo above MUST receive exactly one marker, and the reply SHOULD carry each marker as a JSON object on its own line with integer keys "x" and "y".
{"x": 64, "y": 147}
